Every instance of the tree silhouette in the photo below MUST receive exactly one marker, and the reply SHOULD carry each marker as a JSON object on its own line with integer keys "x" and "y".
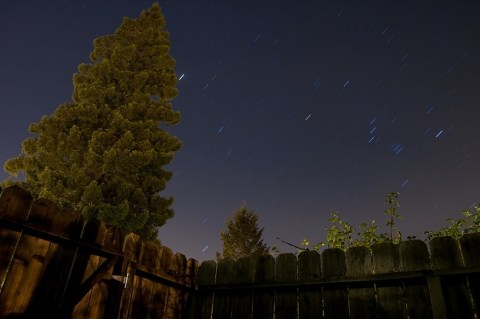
{"x": 242, "y": 236}
{"x": 103, "y": 153}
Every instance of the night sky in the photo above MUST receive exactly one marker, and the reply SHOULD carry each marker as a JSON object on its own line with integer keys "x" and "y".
{"x": 296, "y": 108}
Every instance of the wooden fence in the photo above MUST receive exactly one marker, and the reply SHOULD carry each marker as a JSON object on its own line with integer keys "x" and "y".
{"x": 409, "y": 280}
{"x": 54, "y": 264}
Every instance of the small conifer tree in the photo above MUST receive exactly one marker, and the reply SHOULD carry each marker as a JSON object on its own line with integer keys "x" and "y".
{"x": 242, "y": 237}
{"x": 103, "y": 154}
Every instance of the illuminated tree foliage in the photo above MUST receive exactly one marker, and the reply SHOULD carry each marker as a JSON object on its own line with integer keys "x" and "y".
{"x": 104, "y": 153}
{"x": 242, "y": 237}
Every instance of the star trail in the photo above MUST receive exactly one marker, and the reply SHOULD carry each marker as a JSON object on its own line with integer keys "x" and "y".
{"x": 296, "y": 108}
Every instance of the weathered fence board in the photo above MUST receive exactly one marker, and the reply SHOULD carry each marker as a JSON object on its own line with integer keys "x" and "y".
{"x": 223, "y": 298}
{"x": 309, "y": 299}
{"x": 163, "y": 297}
{"x": 335, "y": 298}
{"x": 286, "y": 298}
{"x": 242, "y": 299}
{"x": 361, "y": 299}
{"x": 22, "y": 275}
{"x": 190, "y": 302}
{"x": 390, "y": 299}
{"x": 177, "y": 268}
{"x": 470, "y": 246}
{"x": 132, "y": 250}
{"x": 446, "y": 254}
{"x": 414, "y": 257}
{"x": 204, "y": 301}
{"x": 263, "y": 300}
{"x": 14, "y": 204}
{"x": 92, "y": 305}
{"x": 158, "y": 260}
{"x": 144, "y": 288}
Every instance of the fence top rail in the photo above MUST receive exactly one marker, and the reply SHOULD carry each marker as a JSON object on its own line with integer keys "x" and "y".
{"x": 165, "y": 279}
{"x": 56, "y": 238}
{"x": 388, "y": 278}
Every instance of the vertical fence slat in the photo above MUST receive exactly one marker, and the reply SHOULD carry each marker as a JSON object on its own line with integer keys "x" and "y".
{"x": 175, "y": 296}
{"x": 82, "y": 263}
{"x": 310, "y": 299}
{"x": 14, "y": 204}
{"x": 92, "y": 304}
{"x": 361, "y": 300}
{"x": 223, "y": 298}
{"x": 334, "y": 298}
{"x": 25, "y": 269}
{"x": 414, "y": 256}
{"x": 446, "y": 254}
{"x": 470, "y": 245}
{"x": 160, "y": 293}
{"x": 131, "y": 249}
{"x": 390, "y": 299}
{"x": 206, "y": 276}
{"x": 191, "y": 281}
{"x": 263, "y": 299}
{"x": 286, "y": 298}
{"x": 43, "y": 213}
{"x": 142, "y": 297}
{"x": 242, "y": 299}
{"x": 51, "y": 296}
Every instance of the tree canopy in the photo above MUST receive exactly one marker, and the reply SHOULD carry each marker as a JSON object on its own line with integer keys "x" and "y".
{"x": 103, "y": 154}
{"x": 242, "y": 236}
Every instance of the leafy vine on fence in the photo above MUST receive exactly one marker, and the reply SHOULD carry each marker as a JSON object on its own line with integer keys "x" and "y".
{"x": 343, "y": 235}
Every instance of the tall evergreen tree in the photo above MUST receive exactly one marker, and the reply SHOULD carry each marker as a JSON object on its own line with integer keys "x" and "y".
{"x": 242, "y": 237}
{"x": 103, "y": 154}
